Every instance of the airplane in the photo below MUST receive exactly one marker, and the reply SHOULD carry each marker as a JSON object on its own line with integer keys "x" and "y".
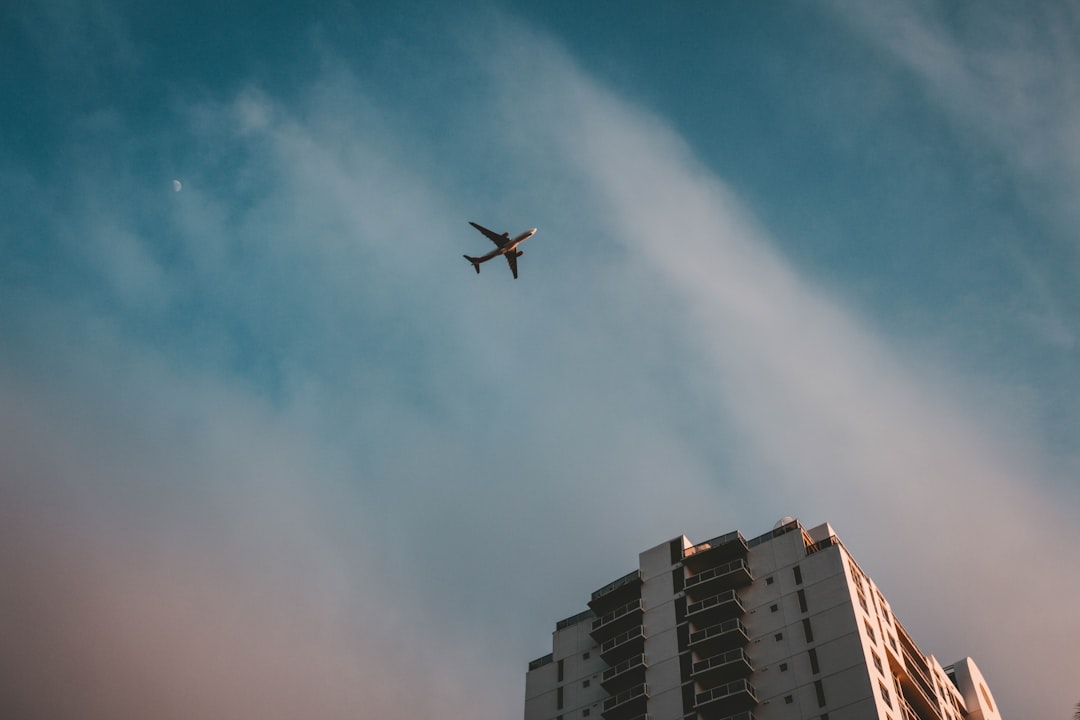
{"x": 505, "y": 246}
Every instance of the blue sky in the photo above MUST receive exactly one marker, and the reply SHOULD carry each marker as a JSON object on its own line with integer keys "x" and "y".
{"x": 270, "y": 448}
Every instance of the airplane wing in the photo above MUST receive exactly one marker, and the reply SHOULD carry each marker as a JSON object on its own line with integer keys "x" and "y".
{"x": 495, "y": 237}
{"x": 511, "y": 258}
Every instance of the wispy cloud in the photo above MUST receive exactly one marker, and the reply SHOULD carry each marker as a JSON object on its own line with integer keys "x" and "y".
{"x": 846, "y": 426}
{"x": 298, "y": 461}
{"x": 1007, "y": 77}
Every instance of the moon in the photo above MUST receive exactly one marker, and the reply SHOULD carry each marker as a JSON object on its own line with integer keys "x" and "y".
{"x": 176, "y": 186}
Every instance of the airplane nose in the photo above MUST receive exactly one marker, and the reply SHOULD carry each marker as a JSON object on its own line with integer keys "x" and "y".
{"x": 533, "y": 231}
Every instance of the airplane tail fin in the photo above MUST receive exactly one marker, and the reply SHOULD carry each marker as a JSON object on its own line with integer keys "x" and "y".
{"x": 475, "y": 262}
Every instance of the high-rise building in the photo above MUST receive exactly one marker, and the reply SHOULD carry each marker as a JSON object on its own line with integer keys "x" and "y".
{"x": 783, "y": 626}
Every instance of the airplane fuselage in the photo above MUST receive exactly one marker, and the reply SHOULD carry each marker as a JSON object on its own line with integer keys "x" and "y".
{"x": 510, "y": 247}
{"x": 504, "y": 245}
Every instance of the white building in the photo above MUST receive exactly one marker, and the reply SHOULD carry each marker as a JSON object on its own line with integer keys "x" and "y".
{"x": 783, "y": 626}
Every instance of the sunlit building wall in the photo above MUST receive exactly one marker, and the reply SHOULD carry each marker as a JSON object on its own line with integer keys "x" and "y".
{"x": 783, "y": 626}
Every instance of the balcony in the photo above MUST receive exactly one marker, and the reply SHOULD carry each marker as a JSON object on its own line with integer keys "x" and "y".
{"x": 722, "y": 669}
{"x": 715, "y": 609}
{"x": 724, "y": 700}
{"x": 744, "y": 715}
{"x": 616, "y": 593}
{"x": 618, "y": 620}
{"x": 733, "y": 574}
{"x": 627, "y": 704}
{"x": 906, "y": 711}
{"x": 621, "y": 647}
{"x": 541, "y": 661}
{"x": 575, "y": 619}
{"x": 825, "y": 544}
{"x": 718, "y": 638}
{"x": 624, "y": 675}
{"x": 916, "y": 695}
{"x": 910, "y": 670}
{"x": 716, "y": 551}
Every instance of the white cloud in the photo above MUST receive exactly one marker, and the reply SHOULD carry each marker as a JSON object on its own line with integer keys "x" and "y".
{"x": 1007, "y": 77}
{"x": 446, "y": 458}
{"x": 853, "y": 431}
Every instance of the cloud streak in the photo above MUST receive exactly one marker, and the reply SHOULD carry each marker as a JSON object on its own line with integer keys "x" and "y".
{"x": 1006, "y": 78}
{"x": 283, "y": 456}
{"x": 850, "y": 428}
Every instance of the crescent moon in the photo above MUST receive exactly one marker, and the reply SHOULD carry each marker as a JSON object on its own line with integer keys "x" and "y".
{"x": 176, "y": 186}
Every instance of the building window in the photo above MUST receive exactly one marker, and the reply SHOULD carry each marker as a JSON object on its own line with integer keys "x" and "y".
{"x": 877, "y": 662}
{"x": 559, "y": 671}
{"x": 769, "y": 581}
{"x": 585, "y": 684}
{"x": 783, "y": 667}
{"x": 558, "y": 698}
{"x": 809, "y": 632}
{"x": 820, "y": 689}
{"x": 774, "y": 608}
{"x": 855, "y": 573}
{"x": 802, "y": 600}
{"x": 585, "y": 655}
{"x": 788, "y": 699}
{"x": 870, "y": 632}
{"x": 778, "y": 637}
{"x": 814, "y": 667}
{"x": 862, "y": 601}
{"x": 885, "y": 695}
{"x": 797, "y": 571}
{"x": 585, "y": 712}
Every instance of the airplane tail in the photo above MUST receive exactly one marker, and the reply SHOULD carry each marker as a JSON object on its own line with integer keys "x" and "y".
{"x": 475, "y": 262}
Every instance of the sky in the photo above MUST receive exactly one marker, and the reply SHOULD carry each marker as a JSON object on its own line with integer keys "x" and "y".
{"x": 270, "y": 448}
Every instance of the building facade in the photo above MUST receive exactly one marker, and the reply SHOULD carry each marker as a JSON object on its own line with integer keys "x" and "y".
{"x": 783, "y": 626}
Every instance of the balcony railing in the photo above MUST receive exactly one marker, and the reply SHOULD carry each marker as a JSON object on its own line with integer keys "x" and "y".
{"x": 744, "y": 715}
{"x": 626, "y": 696}
{"x": 736, "y": 572}
{"x": 906, "y": 710}
{"x": 574, "y": 619}
{"x": 916, "y": 669}
{"x": 724, "y": 628}
{"x": 626, "y": 579}
{"x": 631, "y": 608}
{"x": 624, "y": 645}
{"x": 626, "y": 674}
{"x": 907, "y": 665}
{"x": 730, "y": 538}
{"x": 540, "y": 662}
{"x": 727, "y": 601}
{"x": 626, "y": 665}
{"x": 729, "y": 659}
{"x": 738, "y": 690}
{"x": 628, "y": 636}
{"x": 819, "y": 546}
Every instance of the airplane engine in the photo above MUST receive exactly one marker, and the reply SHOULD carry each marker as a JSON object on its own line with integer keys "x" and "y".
{"x": 520, "y": 253}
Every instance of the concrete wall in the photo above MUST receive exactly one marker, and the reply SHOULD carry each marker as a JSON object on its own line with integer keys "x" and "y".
{"x": 661, "y": 645}
{"x": 582, "y": 669}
